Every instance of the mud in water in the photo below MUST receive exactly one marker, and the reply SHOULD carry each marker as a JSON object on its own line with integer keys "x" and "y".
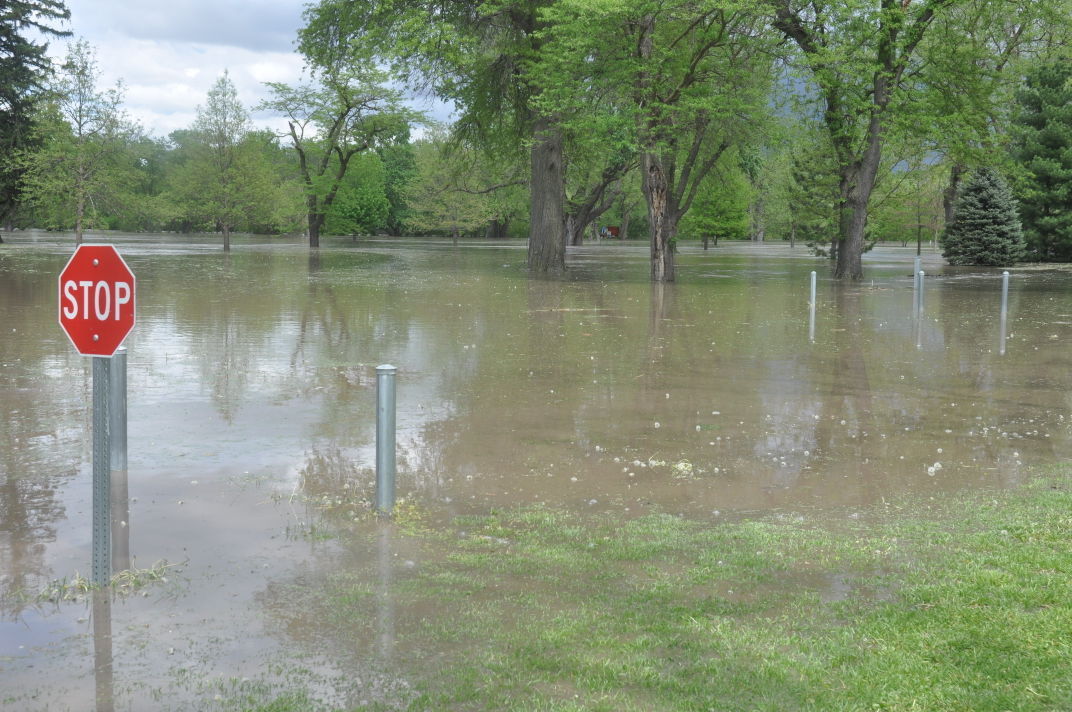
{"x": 251, "y": 405}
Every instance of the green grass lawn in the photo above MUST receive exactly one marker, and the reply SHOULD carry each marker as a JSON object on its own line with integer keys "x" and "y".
{"x": 958, "y": 604}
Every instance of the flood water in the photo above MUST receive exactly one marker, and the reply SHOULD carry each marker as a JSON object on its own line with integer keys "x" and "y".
{"x": 251, "y": 414}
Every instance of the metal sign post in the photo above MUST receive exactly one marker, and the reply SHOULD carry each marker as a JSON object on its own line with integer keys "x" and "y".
{"x": 102, "y": 472}
{"x": 96, "y": 298}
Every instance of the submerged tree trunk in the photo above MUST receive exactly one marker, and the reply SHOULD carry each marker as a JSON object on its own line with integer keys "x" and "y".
{"x": 574, "y": 231}
{"x": 662, "y": 215}
{"x": 226, "y": 238}
{"x": 759, "y": 225}
{"x": 857, "y": 182}
{"x": 497, "y": 228}
{"x": 315, "y": 221}
{"x": 547, "y": 240}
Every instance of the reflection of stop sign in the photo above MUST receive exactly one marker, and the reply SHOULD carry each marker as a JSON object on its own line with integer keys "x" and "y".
{"x": 96, "y": 300}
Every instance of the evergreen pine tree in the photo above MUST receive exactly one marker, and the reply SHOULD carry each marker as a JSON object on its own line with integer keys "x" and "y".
{"x": 1045, "y": 152}
{"x": 985, "y": 229}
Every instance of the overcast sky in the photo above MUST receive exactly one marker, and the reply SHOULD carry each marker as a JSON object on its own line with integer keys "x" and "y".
{"x": 169, "y": 53}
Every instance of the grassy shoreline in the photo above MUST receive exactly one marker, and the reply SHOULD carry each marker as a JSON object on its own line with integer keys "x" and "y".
{"x": 956, "y": 604}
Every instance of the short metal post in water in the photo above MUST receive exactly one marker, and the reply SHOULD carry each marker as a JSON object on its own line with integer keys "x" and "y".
{"x": 921, "y": 276}
{"x": 811, "y": 309}
{"x": 919, "y": 310}
{"x": 1004, "y": 309}
{"x": 102, "y": 472}
{"x": 385, "y": 438}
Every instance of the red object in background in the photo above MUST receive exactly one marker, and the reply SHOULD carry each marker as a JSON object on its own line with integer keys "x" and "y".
{"x": 614, "y": 230}
{"x": 96, "y": 300}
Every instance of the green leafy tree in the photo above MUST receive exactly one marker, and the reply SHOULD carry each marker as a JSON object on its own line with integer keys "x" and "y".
{"x": 1044, "y": 149}
{"x": 361, "y": 205}
{"x": 722, "y": 209}
{"x": 224, "y": 183}
{"x": 346, "y": 111}
{"x": 24, "y": 70}
{"x": 883, "y": 68}
{"x": 399, "y": 171}
{"x": 689, "y": 79}
{"x": 482, "y": 56}
{"x": 81, "y": 170}
{"x": 444, "y": 198}
{"x": 985, "y": 229}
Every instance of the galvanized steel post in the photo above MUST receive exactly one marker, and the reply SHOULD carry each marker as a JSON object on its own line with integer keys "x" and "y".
{"x": 1004, "y": 309}
{"x": 385, "y": 438}
{"x": 811, "y": 310}
{"x": 102, "y": 472}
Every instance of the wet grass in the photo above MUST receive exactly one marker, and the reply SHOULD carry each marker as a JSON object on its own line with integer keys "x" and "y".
{"x": 959, "y": 604}
{"x": 78, "y": 587}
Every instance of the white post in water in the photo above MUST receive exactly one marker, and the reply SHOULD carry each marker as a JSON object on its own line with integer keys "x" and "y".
{"x": 385, "y": 438}
{"x": 1004, "y": 309}
{"x": 811, "y": 310}
{"x": 915, "y": 295}
{"x": 102, "y": 472}
{"x": 919, "y": 310}
{"x": 916, "y": 270}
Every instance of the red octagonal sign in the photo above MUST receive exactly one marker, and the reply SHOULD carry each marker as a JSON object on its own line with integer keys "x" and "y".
{"x": 96, "y": 306}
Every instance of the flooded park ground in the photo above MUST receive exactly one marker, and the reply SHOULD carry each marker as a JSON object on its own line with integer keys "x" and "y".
{"x": 252, "y": 427}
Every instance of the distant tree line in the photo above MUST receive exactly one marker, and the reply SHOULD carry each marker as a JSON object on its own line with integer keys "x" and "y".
{"x": 829, "y": 123}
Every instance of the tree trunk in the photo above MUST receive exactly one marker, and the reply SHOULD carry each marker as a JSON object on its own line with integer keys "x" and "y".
{"x": 226, "y": 239}
{"x": 496, "y": 229}
{"x": 547, "y": 240}
{"x": 316, "y": 221}
{"x": 574, "y": 231}
{"x": 792, "y": 235}
{"x": 454, "y": 236}
{"x": 662, "y": 214}
{"x": 79, "y": 218}
{"x": 759, "y": 227}
{"x": 952, "y": 192}
{"x": 857, "y": 182}
{"x": 705, "y": 241}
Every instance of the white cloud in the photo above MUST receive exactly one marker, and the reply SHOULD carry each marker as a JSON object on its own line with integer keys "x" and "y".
{"x": 169, "y": 54}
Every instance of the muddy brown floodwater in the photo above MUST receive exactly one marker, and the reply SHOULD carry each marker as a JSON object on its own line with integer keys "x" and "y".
{"x": 251, "y": 404}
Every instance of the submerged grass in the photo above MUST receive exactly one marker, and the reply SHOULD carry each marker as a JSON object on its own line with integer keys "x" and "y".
{"x": 957, "y": 605}
{"x": 78, "y": 587}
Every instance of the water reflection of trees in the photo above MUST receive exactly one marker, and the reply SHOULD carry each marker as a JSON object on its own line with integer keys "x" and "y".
{"x": 41, "y": 419}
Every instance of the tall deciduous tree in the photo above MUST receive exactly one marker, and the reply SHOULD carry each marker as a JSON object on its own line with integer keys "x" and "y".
{"x": 689, "y": 77}
{"x": 24, "y": 69}
{"x": 858, "y": 53}
{"x": 349, "y": 110}
{"x": 1044, "y": 149}
{"x": 224, "y": 182}
{"x": 925, "y": 68}
{"x": 84, "y": 137}
{"x": 483, "y": 56}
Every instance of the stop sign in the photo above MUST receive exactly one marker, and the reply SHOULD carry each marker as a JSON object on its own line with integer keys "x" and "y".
{"x": 96, "y": 304}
